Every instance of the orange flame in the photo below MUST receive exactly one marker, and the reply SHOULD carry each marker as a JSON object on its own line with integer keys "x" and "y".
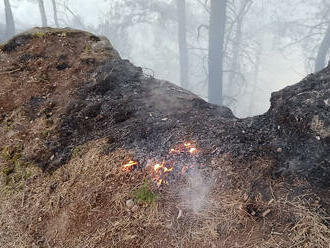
{"x": 192, "y": 150}
{"x": 130, "y": 165}
{"x": 167, "y": 169}
{"x": 161, "y": 168}
{"x": 161, "y": 171}
{"x": 157, "y": 167}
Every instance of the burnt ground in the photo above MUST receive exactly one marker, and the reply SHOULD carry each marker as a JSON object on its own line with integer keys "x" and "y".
{"x": 62, "y": 90}
{"x": 151, "y": 116}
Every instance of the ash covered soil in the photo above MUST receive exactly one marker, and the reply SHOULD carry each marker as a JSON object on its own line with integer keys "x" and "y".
{"x": 72, "y": 112}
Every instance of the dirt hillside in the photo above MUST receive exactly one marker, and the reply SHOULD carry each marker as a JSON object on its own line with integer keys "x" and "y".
{"x": 94, "y": 153}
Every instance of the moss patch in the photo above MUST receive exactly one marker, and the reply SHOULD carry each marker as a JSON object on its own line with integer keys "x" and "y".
{"x": 39, "y": 34}
{"x": 145, "y": 194}
{"x": 88, "y": 48}
{"x": 7, "y": 124}
{"x": 78, "y": 151}
{"x": 15, "y": 170}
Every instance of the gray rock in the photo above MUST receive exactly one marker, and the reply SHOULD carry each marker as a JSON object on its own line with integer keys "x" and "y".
{"x": 130, "y": 203}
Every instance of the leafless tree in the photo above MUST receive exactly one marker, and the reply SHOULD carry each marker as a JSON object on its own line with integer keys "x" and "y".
{"x": 182, "y": 40}
{"x": 10, "y": 23}
{"x": 42, "y": 13}
{"x": 55, "y": 13}
{"x": 320, "y": 61}
{"x": 216, "y": 52}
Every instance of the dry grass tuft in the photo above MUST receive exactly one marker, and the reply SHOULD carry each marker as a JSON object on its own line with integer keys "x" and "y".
{"x": 83, "y": 204}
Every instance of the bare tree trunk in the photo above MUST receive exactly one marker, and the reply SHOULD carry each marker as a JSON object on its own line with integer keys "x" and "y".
{"x": 42, "y": 13}
{"x": 10, "y": 23}
{"x": 55, "y": 13}
{"x": 235, "y": 65}
{"x": 216, "y": 53}
{"x": 255, "y": 78}
{"x": 237, "y": 42}
{"x": 322, "y": 53}
{"x": 183, "y": 49}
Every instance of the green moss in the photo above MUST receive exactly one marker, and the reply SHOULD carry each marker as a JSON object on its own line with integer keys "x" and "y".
{"x": 16, "y": 170}
{"x": 14, "y": 178}
{"x": 144, "y": 194}
{"x": 8, "y": 153}
{"x": 8, "y": 124}
{"x": 39, "y": 34}
{"x": 12, "y": 152}
{"x": 7, "y": 171}
{"x": 88, "y": 48}
{"x": 78, "y": 151}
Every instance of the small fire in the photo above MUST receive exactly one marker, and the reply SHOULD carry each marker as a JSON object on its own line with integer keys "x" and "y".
{"x": 130, "y": 165}
{"x": 160, "y": 182}
{"x": 186, "y": 147}
{"x": 160, "y": 171}
{"x": 157, "y": 167}
{"x": 192, "y": 150}
{"x": 168, "y": 169}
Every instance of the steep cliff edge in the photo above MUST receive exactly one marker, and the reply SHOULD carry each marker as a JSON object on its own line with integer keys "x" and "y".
{"x": 73, "y": 113}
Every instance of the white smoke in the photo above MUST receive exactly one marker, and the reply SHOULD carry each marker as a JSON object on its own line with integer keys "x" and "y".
{"x": 195, "y": 194}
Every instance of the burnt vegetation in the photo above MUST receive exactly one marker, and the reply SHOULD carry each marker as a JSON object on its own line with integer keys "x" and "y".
{"x": 71, "y": 114}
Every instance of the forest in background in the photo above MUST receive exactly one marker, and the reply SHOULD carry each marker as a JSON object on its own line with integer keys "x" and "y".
{"x": 229, "y": 52}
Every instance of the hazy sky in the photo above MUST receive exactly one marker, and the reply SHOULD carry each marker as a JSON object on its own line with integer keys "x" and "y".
{"x": 28, "y": 11}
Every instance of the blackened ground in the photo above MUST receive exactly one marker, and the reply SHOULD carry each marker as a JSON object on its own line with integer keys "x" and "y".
{"x": 73, "y": 87}
{"x": 70, "y": 105}
{"x": 151, "y": 116}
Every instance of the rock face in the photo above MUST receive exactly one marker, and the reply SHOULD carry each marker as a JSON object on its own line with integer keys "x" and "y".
{"x": 61, "y": 89}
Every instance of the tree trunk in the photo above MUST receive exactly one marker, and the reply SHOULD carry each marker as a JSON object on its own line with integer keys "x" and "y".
{"x": 216, "y": 53}
{"x": 235, "y": 65}
{"x": 183, "y": 49}
{"x": 237, "y": 42}
{"x": 322, "y": 53}
{"x": 55, "y": 13}
{"x": 42, "y": 13}
{"x": 255, "y": 79}
{"x": 10, "y": 23}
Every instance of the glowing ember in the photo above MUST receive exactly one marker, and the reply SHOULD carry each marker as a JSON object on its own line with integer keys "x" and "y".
{"x": 157, "y": 167}
{"x": 192, "y": 150}
{"x": 167, "y": 169}
{"x": 160, "y": 171}
{"x": 160, "y": 182}
{"x": 185, "y": 147}
{"x": 130, "y": 165}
